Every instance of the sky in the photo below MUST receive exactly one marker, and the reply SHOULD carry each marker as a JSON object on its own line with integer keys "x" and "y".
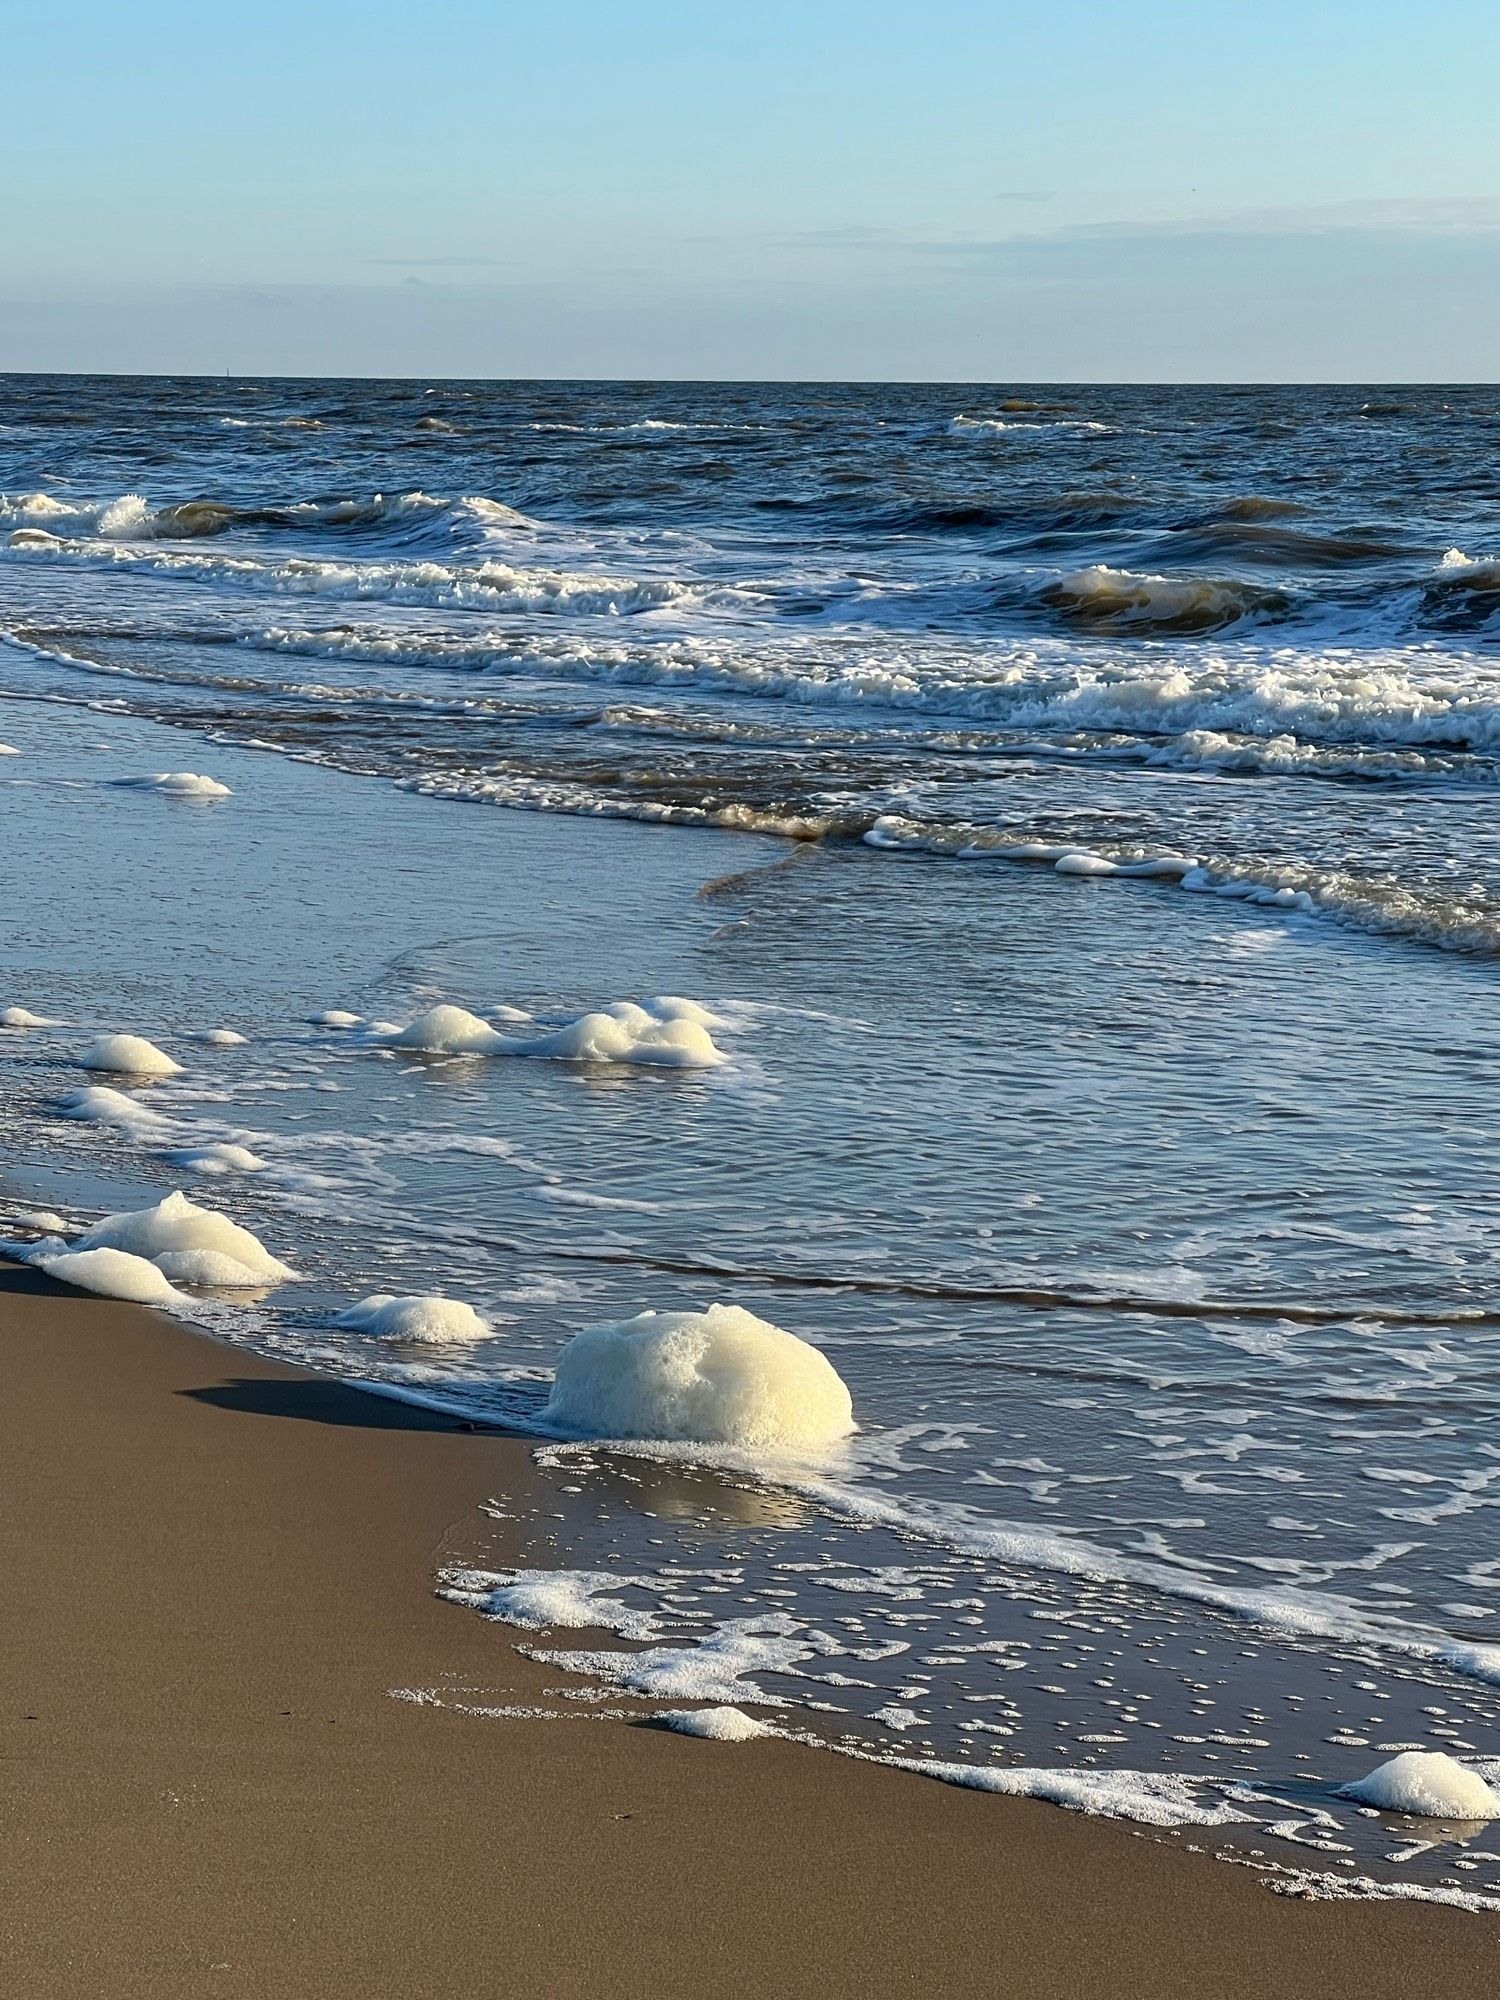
{"x": 1056, "y": 191}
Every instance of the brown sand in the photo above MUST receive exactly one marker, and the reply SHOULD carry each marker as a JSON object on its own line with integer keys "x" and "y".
{"x": 214, "y": 1571}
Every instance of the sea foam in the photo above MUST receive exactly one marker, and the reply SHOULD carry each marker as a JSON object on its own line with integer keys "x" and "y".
{"x": 715, "y": 1377}
{"x": 429, "y": 1320}
{"x": 129, "y": 1055}
{"x": 177, "y": 1228}
{"x": 1428, "y": 1784}
{"x": 114, "y": 1274}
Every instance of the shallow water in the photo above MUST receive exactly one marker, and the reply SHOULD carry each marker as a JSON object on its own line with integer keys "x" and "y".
{"x": 1151, "y": 1230}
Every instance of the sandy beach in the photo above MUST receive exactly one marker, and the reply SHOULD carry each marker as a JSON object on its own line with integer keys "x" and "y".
{"x": 217, "y": 1571}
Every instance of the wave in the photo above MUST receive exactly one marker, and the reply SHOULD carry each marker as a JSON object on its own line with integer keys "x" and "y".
{"x": 966, "y": 426}
{"x": 1258, "y": 694}
{"x": 439, "y": 586}
{"x": 1465, "y": 593}
{"x": 1117, "y": 600}
{"x": 1382, "y": 905}
{"x": 131, "y": 517}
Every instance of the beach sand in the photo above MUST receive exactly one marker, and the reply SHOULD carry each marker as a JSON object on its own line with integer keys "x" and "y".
{"x": 217, "y": 1568}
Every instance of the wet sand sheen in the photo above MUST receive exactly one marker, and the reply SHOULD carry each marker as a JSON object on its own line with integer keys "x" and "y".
{"x": 217, "y": 1569}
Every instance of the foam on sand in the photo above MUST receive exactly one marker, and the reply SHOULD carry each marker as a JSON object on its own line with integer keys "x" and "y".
{"x": 1429, "y": 1784}
{"x": 22, "y": 1017}
{"x": 180, "y": 785}
{"x": 114, "y": 1274}
{"x": 129, "y": 1055}
{"x": 715, "y": 1377}
{"x": 430, "y": 1320}
{"x": 539, "y": 1600}
{"x": 719, "y": 1725}
{"x": 177, "y": 1225}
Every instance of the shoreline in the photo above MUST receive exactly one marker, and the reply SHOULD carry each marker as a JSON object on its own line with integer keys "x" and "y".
{"x": 221, "y": 1567}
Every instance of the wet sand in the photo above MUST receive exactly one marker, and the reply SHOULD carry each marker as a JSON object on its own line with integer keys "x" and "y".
{"x": 215, "y": 1571}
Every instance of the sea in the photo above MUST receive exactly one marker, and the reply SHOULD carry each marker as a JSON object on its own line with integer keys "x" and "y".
{"x": 1075, "y": 805}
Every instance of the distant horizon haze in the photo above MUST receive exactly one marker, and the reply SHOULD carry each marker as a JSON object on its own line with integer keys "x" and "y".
{"x": 835, "y": 193}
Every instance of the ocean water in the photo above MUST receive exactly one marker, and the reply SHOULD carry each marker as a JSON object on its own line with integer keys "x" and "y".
{"x": 1079, "y": 807}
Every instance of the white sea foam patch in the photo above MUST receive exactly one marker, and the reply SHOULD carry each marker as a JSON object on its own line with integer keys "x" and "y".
{"x": 429, "y": 1320}
{"x": 9, "y": 750}
{"x": 542, "y": 1600}
{"x": 1149, "y": 1798}
{"x": 114, "y": 1274}
{"x": 195, "y": 1245}
{"x": 717, "y": 1377}
{"x": 668, "y": 1033}
{"x": 179, "y": 785}
{"x": 1428, "y": 1784}
{"x": 128, "y": 1055}
{"x": 718, "y": 1725}
{"x": 717, "y": 1668}
{"x": 22, "y": 1017}
{"x": 217, "y": 1156}
{"x": 102, "y": 1105}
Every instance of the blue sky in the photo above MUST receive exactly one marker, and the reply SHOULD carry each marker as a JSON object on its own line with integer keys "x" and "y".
{"x": 1049, "y": 192}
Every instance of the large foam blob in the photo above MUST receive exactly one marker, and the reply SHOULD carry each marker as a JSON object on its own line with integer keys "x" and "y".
{"x": 115, "y": 1274}
{"x": 130, "y": 1055}
{"x": 627, "y": 1033}
{"x": 719, "y": 1725}
{"x": 177, "y": 1225}
{"x": 449, "y": 1031}
{"x": 430, "y": 1320}
{"x": 716, "y": 1377}
{"x": 22, "y": 1017}
{"x": 1429, "y": 1783}
{"x": 181, "y": 785}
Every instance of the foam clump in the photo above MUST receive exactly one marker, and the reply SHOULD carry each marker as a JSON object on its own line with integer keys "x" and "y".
{"x": 101, "y": 1105}
{"x": 209, "y": 1267}
{"x": 335, "y": 1017}
{"x": 9, "y": 750}
{"x": 130, "y": 1055}
{"x": 218, "y": 1156}
{"x": 430, "y": 1320}
{"x": 449, "y": 1031}
{"x": 719, "y": 1725}
{"x": 1429, "y": 1784}
{"x": 673, "y": 1007}
{"x": 221, "y": 1038}
{"x": 22, "y": 1017}
{"x": 630, "y": 1034}
{"x": 182, "y": 785}
{"x": 45, "y": 1222}
{"x": 114, "y": 1274}
{"x": 177, "y": 1226}
{"x": 715, "y": 1377}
